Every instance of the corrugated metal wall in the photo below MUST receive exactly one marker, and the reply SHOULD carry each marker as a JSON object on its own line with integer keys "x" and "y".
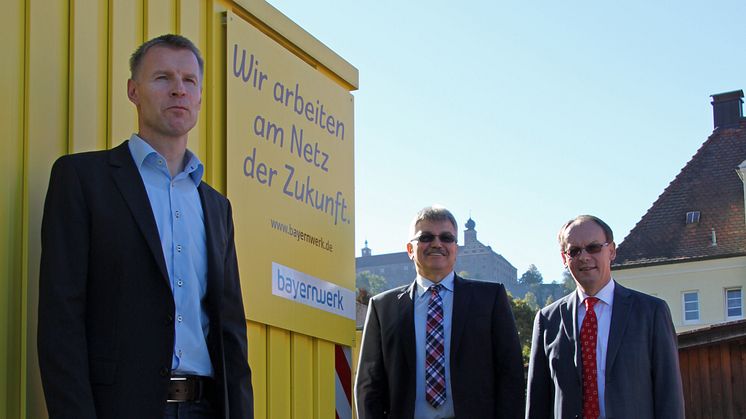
{"x": 63, "y": 87}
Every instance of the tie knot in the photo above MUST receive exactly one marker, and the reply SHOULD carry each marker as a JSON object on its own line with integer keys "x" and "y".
{"x": 590, "y": 302}
{"x": 435, "y": 289}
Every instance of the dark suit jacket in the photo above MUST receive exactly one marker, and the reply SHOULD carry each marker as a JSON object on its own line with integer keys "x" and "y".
{"x": 486, "y": 368}
{"x": 642, "y": 364}
{"x": 106, "y": 311}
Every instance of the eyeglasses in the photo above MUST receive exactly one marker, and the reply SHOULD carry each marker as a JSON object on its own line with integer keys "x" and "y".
{"x": 430, "y": 237}
{"x": 592, "y": 249}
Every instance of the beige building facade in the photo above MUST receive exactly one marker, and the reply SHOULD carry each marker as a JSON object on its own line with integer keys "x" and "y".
{"x": 699, "y": 294}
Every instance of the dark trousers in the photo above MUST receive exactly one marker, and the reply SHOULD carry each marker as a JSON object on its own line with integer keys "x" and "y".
{"x": 189, "y": 410}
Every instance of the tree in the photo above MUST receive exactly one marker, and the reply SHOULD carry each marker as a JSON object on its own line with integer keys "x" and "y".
{"x": 524, "y": 322}
{"x": 530, "y": 299}
{"x": 568, "y": 283}
{"x": 549, "y": 300}
{"x": 370, "y": 283}
{"x": 531, "y": 278}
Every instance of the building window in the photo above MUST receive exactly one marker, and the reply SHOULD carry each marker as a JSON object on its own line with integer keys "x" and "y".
{"x": 691, "y": 307}
{"x": 733, "y": 304}
{"x": 692, "y": 217}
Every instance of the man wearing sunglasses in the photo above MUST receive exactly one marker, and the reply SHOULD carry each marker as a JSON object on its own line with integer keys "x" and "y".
{"x": 603, "y": 351}
{"x": 443, "y": 346}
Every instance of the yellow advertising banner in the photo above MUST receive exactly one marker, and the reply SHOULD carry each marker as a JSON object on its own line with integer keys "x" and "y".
{"x": 290, "y": 178}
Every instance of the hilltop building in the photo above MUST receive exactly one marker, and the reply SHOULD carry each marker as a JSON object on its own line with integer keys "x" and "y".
{"x": 479, "y": 261}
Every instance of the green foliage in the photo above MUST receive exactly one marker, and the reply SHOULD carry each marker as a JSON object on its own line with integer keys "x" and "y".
{"x": 531, "y": 278}
{"x": 524, "y": 321}
{"x": 534, "y": 285}
{"x": 371, "y": 283}
{"x": 568, "y": 283}
{"x": 530, "y": 299}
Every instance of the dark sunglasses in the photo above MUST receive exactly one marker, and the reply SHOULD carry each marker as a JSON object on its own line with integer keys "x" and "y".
{"x": 592, "y": 249}
{"x": 430, "y": 237}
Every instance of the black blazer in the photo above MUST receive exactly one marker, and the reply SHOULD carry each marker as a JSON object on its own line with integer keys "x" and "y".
{"x": 486, "y": 366}
{"x": 106, "y": 311}
{"x": 643, "y": 380}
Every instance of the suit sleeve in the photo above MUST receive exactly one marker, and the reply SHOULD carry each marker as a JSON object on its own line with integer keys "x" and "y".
{"x": 668, "y": 397}
{"x": 510, "y": 397}
{"x": 238, "y": 373}
{"x": 371, "y": 385}
{"x": 62, "y": 342}
{"x": 539, "y": 399}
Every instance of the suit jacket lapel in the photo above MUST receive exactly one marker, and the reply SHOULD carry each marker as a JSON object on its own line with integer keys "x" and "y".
{"x": 619, "y": 319}
{"x": 129, "y": 182}
{"x": 406, "y": 322}
{"x": 569, "y": 313}
{"x": 461, "y": 300}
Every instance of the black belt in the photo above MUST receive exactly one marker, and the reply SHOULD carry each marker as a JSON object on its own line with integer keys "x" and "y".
{"x": 189, "y": 388}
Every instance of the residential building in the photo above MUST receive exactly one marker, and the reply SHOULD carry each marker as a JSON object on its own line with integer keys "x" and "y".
{"x": 690, "y": 247}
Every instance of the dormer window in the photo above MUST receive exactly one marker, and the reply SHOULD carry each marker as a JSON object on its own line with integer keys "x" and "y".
{"x": 692, "y": 217}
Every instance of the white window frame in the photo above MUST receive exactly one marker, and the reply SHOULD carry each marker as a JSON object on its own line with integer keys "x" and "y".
{"x": 727, "y": 317}
{"x": 684, "y": 311}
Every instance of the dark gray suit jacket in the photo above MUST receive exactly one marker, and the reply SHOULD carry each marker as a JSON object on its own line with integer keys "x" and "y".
{"x": 106, "y": 311}
{"x": 642, "y": 364}
{"x": 486, "y": 366}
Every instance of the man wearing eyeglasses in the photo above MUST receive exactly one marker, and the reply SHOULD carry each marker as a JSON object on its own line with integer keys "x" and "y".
{"x": 443, "y": 346}
{"x": 603, "y": 351}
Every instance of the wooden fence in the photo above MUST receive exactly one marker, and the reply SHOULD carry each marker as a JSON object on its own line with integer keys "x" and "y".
{"x": 713, "y": 369}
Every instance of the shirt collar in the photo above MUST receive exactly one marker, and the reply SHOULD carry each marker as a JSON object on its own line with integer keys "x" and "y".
{"x": 423, "y": 283}
{"x": 194, "y": 167}
{"x": 140, "y": 150}
{"x": 606, "y": 294}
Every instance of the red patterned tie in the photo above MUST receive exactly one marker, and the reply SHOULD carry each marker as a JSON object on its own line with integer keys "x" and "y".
{"x": 588, "y": 334}
{"x": 435, "y": 359}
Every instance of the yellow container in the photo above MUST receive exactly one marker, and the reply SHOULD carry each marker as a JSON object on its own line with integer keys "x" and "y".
{"x": 63, "y": 85}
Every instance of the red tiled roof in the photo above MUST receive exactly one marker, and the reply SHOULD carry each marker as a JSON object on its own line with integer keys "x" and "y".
{"x": 709, "y": 184}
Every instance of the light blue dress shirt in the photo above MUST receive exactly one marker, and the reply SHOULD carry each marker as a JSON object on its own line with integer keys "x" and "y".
{"x": 178, "y": 213}
{"x": 603, "y": 316}
{"x": 422, "y": 408}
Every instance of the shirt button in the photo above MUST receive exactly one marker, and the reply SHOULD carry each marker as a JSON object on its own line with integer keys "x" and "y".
{"x": 160, "y": 162}
{"x": 180, "y": 282}
{"x": 178, "y": 214}
{"x": 178, "y": 248}
{"x": 179, "y": 318}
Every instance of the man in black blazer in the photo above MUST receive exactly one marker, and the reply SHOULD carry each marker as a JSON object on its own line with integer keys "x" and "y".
{"x": 636, "y": 372}
{"x": 477, "y": 374}
{"x": 140, "y": 307}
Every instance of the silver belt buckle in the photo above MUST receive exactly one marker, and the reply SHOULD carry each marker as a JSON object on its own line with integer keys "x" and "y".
{"x": 176, "y": 379}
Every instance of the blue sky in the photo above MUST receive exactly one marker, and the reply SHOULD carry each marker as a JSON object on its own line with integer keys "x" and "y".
{"x": 525, "y": 114}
